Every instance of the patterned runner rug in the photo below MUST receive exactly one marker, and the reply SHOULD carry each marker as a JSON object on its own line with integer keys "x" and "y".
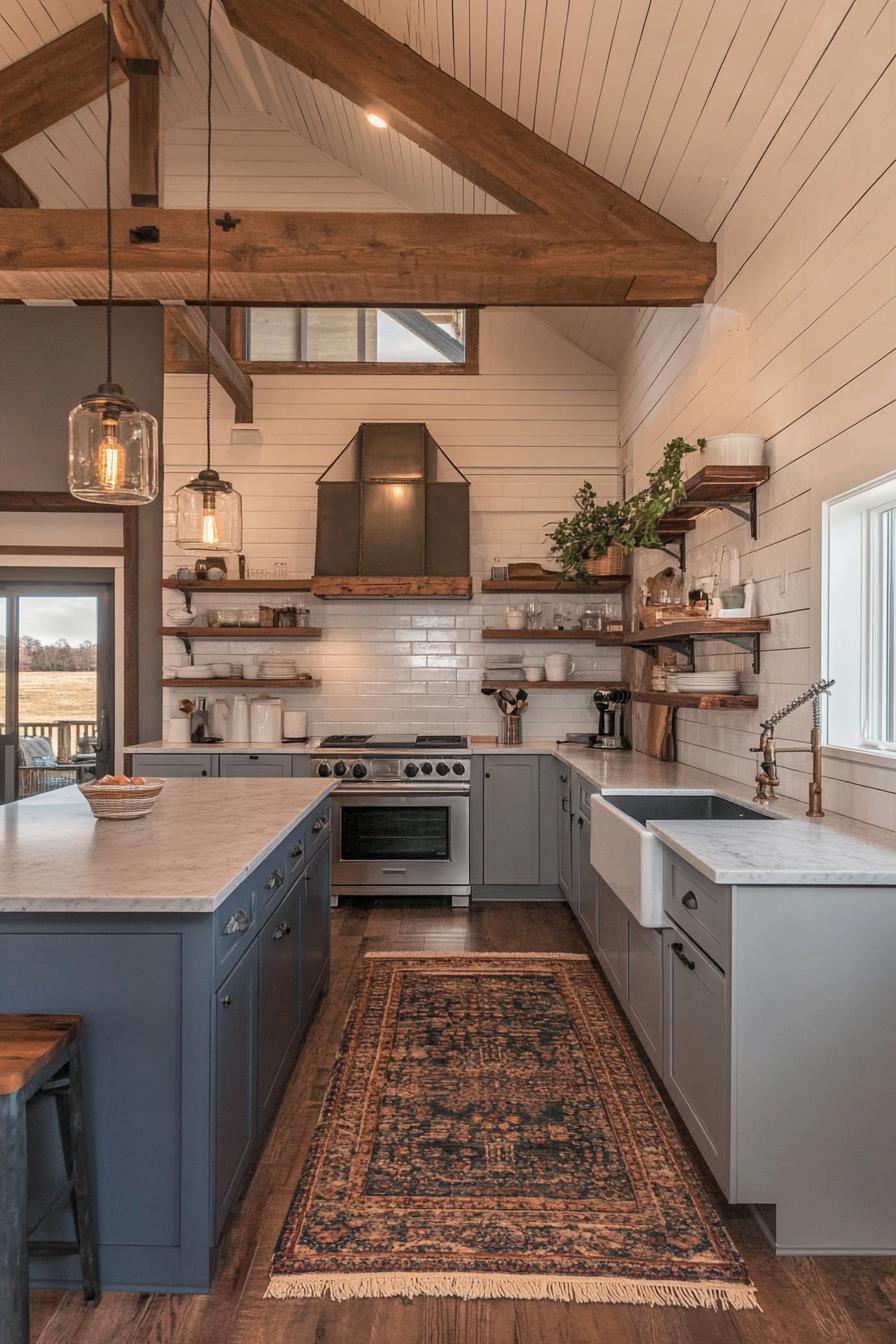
{"x": 490, "y": 1130}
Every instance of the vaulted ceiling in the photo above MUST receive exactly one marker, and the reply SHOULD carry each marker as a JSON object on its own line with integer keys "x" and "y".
{"x": 669, "y": 99}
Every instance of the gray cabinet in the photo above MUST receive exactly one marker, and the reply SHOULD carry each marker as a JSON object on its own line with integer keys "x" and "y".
{"x": 588, "y": 913}
{"x": 315, "y": 945}
{"x": 176, "y": 765}
{"x": 612, "y": 938}
{"x": 279, "y": 955}
{"x": 235, "y": 1080}
{"x": 697, "y": 1063}
{"x": 645, "y": 988}
{"x": 511, "y": 812}
{"x": 564, "y": 831}
{"x": 256, "y": 765}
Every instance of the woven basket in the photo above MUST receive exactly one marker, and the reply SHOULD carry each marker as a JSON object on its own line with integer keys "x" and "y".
{"x": 611, "y": 562}
{"x": 122, "y": 802}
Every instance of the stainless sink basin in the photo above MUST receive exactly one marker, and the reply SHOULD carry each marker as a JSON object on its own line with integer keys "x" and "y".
{"x": 629, "y": 858}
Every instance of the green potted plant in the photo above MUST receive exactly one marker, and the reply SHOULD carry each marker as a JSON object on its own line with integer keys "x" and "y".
{"x": 595, "y": 540}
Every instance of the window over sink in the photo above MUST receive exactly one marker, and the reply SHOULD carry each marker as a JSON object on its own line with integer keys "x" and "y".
{"x": 859, "y": 617}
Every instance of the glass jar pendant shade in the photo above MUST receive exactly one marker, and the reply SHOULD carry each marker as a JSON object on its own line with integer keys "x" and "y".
{"x": 112, "y": 449}
{"x": 209, "y": 514}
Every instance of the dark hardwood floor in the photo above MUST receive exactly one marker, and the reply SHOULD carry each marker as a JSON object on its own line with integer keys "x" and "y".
{"x": 819, "y": 1301}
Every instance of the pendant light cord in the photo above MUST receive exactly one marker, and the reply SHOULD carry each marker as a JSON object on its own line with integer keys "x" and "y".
{"x": 208, "y": 247}
{"x": 108, "y": 191}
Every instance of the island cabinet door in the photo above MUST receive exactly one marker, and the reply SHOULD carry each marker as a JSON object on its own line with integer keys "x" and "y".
{"x": 315, "y": 949}
{"x": 256, "y": 765}
{"x": 175, "y": 765}
{"x": 511, "y": 815}
{"x": 235, "y": 1080}
{"x": 278, "y": 999}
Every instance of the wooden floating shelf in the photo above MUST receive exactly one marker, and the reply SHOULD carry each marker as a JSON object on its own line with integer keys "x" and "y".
{"x": 576, "y": 684}
{"x": 710, "y": 629}
{"x": 600, "y": 637}
{"x": 605, "y": 583}
{"x": 696, "y": 700}
{"x": 239, "y": 585}
{"x": 254, "y": 683}
{"x": 242, "y": 631}
{"x": 449, "y": 587}
{"x": 716, "y": 487}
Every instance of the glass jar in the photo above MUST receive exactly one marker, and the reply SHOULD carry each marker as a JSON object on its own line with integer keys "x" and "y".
{"x": 285, "y": 616}
{"x": 265, "y": 615}
{"x": 303, "y": 616}
{"x": 592, "y": 619}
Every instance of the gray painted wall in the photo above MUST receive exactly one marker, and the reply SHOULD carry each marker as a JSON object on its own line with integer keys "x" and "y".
{"x": 51, "y": 357}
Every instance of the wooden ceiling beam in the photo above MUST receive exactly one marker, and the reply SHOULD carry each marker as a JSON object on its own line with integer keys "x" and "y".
{"x": 376, "y": 258}
{"x": 144, "y": 131}
{"x": 55, "y": 81}
{"x": 190, "y": 324}
{"x": 14, "y": 193}
{"x": 137, "y": 25}
{"x": 331, "y": 42}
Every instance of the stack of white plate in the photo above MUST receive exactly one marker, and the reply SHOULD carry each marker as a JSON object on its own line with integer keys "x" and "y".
{"x": 705, "y": 683}
{"x": 277, "y": 669}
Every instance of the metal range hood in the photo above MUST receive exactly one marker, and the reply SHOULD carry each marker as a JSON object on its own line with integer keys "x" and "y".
{"x": 391, "y": 505}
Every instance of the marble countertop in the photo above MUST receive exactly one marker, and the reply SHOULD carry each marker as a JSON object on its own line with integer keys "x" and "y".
{"x": 201, "y": 839}
{"x": 782, "y": 853}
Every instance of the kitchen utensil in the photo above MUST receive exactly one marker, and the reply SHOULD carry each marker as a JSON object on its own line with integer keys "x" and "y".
{"x": 558, "y": 667}
{"x": 239, "y": 719}
{"x": 122, "y": 802}
{"x": 180, "y": 616}
{"x": 266, "y": 719}
{"x": 177, "y": 730}
{"x": 200, "y": 730}
{"x": 295, "y": 725}
{"x": 515, "y": 618}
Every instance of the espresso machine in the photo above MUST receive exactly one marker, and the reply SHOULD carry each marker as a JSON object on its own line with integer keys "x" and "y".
{"x": 610, "y": 708}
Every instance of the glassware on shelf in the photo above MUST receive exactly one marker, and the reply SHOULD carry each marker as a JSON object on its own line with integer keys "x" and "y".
{"x": 228, "y": 616}
{"x": 533, "y": 615}
{"x": 280, "y": 570}
{"x": 565, "y": 616}
{"x": 265, "y": 615}
{"x": 592, "y": 619}
{"x": 248, "y": 616}
{"x": 303, "y": 616}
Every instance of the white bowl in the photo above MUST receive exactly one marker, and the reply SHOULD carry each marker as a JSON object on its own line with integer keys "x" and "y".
{"x": 734, "y": 450}
{"x": 179, "y": 616}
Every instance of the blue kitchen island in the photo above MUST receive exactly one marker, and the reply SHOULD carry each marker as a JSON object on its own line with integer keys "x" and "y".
{"x": 195, "y": 944}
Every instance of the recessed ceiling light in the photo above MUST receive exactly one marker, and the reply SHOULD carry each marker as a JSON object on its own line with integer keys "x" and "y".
{"x": 376, "y": 120}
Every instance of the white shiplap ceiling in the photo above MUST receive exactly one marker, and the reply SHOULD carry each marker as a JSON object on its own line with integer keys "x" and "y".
{"x": 674, "y": 100}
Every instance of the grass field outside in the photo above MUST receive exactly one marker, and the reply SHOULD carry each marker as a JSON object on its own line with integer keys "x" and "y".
{"x": 47, "y": 696}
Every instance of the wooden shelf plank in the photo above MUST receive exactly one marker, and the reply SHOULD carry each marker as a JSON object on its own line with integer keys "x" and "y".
{"x": 255, "y": 683}
{"x": 710, "y": 487}
{"x": 242, "y": 631}
{"x": 330, "y": 587}
{"x": 606, "y": 583}
{"x": 600, "y": 637}
{"x": 719, "y": 628}
{"x": 696, "y": 700}
{"x": 577, "y": 684}
{"x": 239, "y": 585}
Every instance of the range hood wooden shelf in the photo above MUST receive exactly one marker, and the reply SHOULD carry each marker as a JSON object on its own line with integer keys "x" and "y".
{"x": 239, "y": 585}
{"x": 427, "y": 586}
{"x": 576, "y": 684}
{"x": 604, "y": 583}
{"x": 603, "y": 638}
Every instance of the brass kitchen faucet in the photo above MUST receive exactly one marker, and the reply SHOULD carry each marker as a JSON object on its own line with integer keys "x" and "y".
{"x": 767, "y": 772}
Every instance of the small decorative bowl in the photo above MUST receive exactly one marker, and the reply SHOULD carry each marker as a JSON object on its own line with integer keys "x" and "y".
{"x": 122, "y": 802}
{"x": 179, "y": 616}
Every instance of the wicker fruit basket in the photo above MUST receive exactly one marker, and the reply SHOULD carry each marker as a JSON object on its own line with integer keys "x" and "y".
{"x": 611, "y": 562}
{"x": 122, "y": 802}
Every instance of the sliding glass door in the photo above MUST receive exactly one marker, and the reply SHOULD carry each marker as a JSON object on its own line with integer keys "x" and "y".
{"x": 57, "y": 684}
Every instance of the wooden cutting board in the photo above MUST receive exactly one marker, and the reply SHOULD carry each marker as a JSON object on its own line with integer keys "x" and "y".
{"x": 660, "y": 734}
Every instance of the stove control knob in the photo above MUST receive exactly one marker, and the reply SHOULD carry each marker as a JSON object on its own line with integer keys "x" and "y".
{"x": 442, "y": 768}
{"x": 324, "y": 769}
{"x": 359, "y": 770}
{"x": 458, "y": 768}
{"x": 411, "y": 770}
{"x": 340, "y": 768}
{"x": 426, "y": 767}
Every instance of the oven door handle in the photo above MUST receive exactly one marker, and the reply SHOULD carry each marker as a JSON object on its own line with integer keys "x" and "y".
{"x": 399, "y": 790}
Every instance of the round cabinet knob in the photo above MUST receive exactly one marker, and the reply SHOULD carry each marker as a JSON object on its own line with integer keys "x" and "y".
{"x": 324, "y": 769}
{"x": 441, "y": 768}
{"x": 458, "y": 768}
{"x": 411, "y": 770}
{"x": 426, "y": 767}
{"x": 340, "y": 768}
{"x": 359, "y": 770}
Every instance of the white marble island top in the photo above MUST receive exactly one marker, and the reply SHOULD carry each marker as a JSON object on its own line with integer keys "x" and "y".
{"x": 201, "y": 839}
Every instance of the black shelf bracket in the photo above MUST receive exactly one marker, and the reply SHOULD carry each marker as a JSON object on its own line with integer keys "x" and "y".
{"x": 187, "y": 641}
{"x": 685, "y": 645}
{"x": 742, "y": 506}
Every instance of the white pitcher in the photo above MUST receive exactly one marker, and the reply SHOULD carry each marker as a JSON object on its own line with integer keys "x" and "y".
{"x": 220, "y": 719}
{"x": 239, "y": 719}
{"x": 558, "y": 667}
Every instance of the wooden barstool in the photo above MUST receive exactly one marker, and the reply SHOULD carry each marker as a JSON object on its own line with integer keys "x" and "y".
{"x": 40, "y": 1054}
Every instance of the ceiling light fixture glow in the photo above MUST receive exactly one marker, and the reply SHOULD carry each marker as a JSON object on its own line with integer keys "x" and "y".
{"x": 376, "y": 120}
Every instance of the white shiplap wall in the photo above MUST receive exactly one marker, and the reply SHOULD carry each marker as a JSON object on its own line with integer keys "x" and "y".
{"x": 797, "y": 344}
{"x": 539, "y": 418}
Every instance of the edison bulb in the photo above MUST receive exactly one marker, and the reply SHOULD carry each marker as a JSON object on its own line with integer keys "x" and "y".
{"x": 209, "y": 527}
{"x": 111, "y": 457}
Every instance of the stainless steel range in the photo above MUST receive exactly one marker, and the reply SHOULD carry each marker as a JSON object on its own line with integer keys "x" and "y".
{"x": 401, "y": 814}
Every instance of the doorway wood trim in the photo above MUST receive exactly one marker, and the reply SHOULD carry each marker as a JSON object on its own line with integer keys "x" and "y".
{"x": 58, "y": 501}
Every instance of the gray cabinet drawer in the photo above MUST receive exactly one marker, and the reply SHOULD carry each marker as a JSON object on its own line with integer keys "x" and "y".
{"x": 182, "y": 765}
{"x": 645, "y": 989}
{"x": 271, "y": 879}
{"x": 234, "y": 928}
{"x": 696, "y": 1068}
{"x": 318, "y": 826}
{"x": 256, "y": 765}
{"x": 699, "y": 907}
{"x": 296, "y": 852}
{"x": 278, "y": 999}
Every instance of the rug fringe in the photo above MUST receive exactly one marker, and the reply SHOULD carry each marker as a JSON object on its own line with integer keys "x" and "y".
{"x": 484, "y": 956}
{"x": 634, "y": 1292}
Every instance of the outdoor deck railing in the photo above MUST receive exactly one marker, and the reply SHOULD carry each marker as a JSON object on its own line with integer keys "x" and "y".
{"x": 65, "y": 734}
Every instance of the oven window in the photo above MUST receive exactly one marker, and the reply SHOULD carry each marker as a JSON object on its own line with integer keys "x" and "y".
{"x": 395, "y": 833}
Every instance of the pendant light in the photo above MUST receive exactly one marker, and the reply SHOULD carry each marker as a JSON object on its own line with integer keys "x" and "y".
{"x": 209, "y": 510}
{"x": 112, "y": 445}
